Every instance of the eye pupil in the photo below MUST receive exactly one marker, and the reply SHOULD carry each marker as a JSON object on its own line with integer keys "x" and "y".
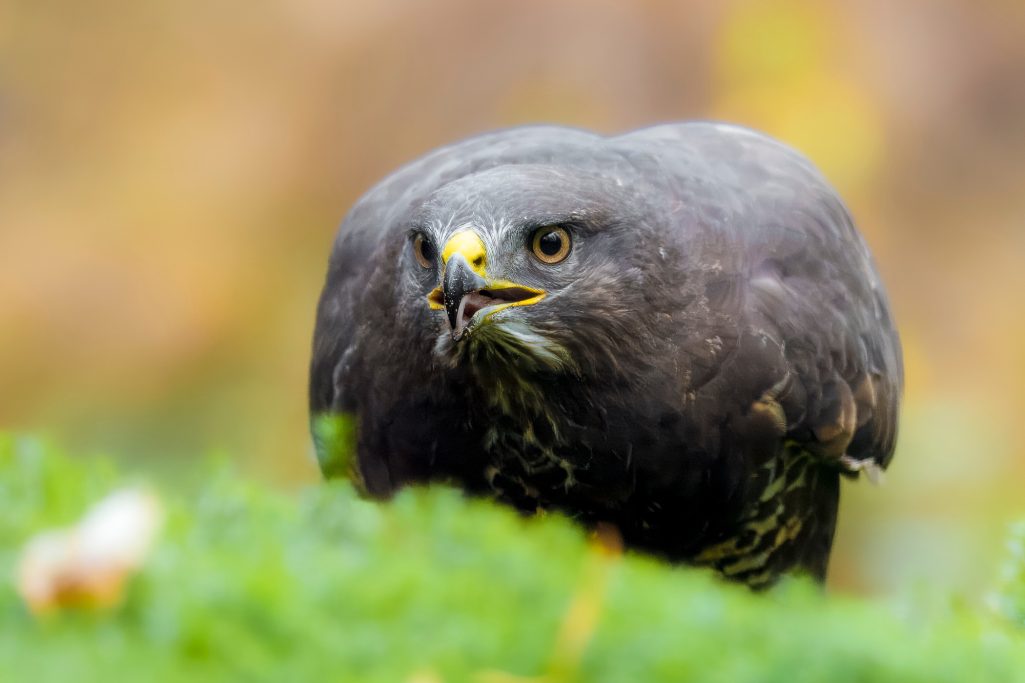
{"x": 423, "y": 250}
{"x": 550, "y": 244}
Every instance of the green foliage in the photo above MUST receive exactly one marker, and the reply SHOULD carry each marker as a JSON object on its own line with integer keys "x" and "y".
{"x": 1010, "y": 601}
{"x": 247, "y": 584}
{"x": 334, "y": 438}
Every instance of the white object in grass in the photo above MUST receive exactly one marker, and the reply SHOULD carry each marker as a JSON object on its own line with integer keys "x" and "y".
{"x": 87, "y": 564}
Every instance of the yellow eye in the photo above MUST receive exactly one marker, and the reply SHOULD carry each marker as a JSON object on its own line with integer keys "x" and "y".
{"x": 550, "y": 244}
{"x": 423, "y": 250}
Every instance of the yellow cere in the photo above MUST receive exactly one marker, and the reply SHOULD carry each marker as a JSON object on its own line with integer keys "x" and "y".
{"x": 470, "y": 245}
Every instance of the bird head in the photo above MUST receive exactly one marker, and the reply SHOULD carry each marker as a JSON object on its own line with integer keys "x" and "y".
{"x": 532, "y": 265}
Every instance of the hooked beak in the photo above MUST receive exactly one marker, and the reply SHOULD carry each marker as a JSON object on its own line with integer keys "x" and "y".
{"x": 467, "y": 295}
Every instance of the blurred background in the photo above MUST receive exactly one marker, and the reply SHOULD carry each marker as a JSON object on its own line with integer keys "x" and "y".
{"x": 172, "y": 174}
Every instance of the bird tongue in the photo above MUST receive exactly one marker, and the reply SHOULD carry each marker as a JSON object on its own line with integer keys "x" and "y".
{"x": 475, "y": 301}
{"x": 468, "y": 306}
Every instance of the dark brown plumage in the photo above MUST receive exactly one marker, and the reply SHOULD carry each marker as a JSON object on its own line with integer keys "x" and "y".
{"x": 677, "y": 331}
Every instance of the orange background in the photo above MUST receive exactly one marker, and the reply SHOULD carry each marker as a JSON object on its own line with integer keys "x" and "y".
{"x": 172, "y": 173}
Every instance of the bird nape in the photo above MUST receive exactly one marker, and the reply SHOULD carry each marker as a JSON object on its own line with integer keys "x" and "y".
{"x": 677, "y": 331}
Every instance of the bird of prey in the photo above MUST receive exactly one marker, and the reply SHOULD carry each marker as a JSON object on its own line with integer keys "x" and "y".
{"x": 677, "y": 331}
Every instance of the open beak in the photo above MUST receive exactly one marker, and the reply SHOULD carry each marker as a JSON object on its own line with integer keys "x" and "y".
{"x": 467, "y": 295}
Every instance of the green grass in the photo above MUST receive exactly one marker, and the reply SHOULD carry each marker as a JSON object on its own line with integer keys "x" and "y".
{"x": 1010, "y": 598}
{"x": 250, "y": 584}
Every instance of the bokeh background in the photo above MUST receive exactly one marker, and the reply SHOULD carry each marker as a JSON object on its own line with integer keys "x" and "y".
{"x": 172, "y": 173}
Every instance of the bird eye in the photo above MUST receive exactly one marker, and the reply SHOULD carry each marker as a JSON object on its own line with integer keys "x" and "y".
{"x": 550, "y": 244}
{"x": 423, "y": 250}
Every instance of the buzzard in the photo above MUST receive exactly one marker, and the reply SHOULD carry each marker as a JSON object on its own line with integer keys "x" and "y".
{"x": 677, "y": 331}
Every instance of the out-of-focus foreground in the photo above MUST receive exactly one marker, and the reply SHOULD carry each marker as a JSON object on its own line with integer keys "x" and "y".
{"x": 247, "y": 584}
{"x": 171, "y": 175}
